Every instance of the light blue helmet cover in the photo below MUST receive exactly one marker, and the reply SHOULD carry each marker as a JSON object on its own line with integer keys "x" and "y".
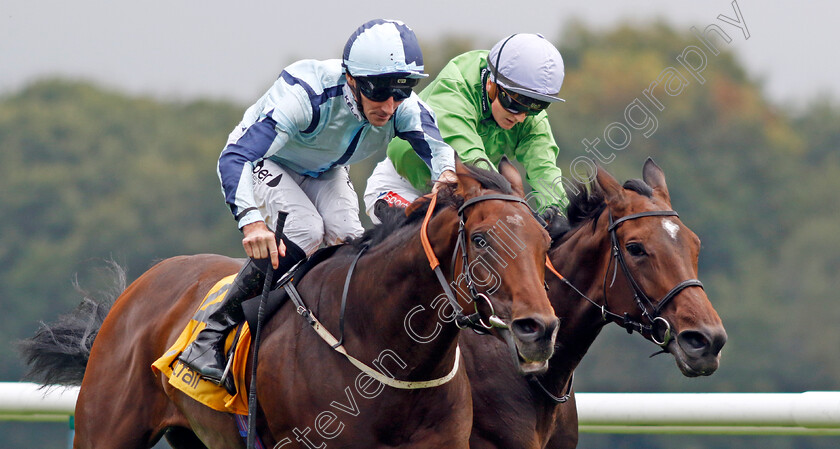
{"x": 383, "y": 47}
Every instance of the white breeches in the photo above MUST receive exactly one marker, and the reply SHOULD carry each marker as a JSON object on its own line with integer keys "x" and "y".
{"x": 385, "y": 183}
{"x": 321, "y": 210}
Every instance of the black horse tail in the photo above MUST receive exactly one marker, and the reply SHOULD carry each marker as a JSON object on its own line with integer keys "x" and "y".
{"x": 58, "y": 352}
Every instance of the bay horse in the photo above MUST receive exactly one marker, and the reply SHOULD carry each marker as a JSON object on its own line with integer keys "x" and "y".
{"x": 309, "y": 394}
{"x": 632, "y": 230}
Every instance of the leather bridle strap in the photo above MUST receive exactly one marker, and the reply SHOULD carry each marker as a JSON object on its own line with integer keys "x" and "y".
{"x": 674, "y": 292}
{"x": 435, "y": 264}
{"x": 652, "y": 213}
{"x": 638, "y": 293}
{"x": 344, "y": 295}
{"x": 492, "y": 196}
{"x": 473, "y": 321}
{"x": 652, "y": 316}
{"x": 535, "y": 381}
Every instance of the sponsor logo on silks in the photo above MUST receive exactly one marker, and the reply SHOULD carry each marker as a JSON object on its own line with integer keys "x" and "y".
{"x": 189, "y": 377}
{"x": 275, "y": 181}
{"x": 394, "y": 200}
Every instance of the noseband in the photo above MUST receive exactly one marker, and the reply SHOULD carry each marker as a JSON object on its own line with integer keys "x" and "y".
{"x": 650, "y": 310}
{"x": 474, "y": 321}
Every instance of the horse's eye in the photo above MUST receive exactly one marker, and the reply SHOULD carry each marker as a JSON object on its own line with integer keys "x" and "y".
{"x": 479, "y": 240}
{"x": 635, "y": 249}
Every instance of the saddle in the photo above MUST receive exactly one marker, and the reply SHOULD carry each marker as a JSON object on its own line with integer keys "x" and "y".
{"x": 278, "y": 296}
{"x": 237, "y": 344}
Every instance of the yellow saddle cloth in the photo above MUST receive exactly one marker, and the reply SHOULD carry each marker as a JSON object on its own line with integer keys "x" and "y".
{"x": 189, "y": 382}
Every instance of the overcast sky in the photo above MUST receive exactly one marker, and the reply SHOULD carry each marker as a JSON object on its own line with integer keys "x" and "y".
{"x": 183, "y": 49}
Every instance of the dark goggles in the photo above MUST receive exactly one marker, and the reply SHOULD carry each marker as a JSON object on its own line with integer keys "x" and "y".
{"x": 517, "y": 103}
{"x": 381, "y": 88}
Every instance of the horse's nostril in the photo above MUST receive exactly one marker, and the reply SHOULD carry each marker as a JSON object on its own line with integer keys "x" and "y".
{"x": 535, "y": 328}
{"x": 702, "y": 343}
{"x": 691, "y": 340}
{"x": 527, "y": 326}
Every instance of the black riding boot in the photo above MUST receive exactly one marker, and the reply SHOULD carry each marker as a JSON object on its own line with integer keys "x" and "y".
{"x": 206, "y": 354}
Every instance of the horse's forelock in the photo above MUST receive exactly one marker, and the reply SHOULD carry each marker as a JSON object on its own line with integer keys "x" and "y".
{"x": 586, "y": 202}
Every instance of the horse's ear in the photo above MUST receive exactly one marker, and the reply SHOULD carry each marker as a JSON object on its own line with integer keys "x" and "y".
{"x": 509, "y": 171}
{"x": 613, "y": 191}
{"x": 468, "y": 187}
{"x": 655, "y": 177}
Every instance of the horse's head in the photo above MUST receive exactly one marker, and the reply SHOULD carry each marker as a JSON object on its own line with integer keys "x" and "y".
{"x": 647, "y": 269}
{"x": 499, "y": 272}
{"x": 658, "y": 256}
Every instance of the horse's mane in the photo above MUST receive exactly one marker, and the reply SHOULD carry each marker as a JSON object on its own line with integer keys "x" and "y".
{"x": 394, "y": 219}
{"x": 586, "y": 203}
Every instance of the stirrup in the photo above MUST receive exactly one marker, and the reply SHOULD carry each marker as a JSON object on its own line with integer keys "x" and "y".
{"x": 225, "y": 373}
{"x": 227, "y": 380}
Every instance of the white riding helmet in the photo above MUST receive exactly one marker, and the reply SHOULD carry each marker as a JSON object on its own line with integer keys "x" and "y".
{"x": 383, "y": 47}
{"x": 527, "y": 64}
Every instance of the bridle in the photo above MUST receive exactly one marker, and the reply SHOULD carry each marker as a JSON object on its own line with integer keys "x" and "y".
{"x": 474, "y": 321}
{"x": 650, "y": 311}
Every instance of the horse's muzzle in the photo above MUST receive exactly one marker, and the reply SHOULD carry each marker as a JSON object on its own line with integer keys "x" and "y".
{"x": 701, "y": 349}
{"x": 535, "y": 337}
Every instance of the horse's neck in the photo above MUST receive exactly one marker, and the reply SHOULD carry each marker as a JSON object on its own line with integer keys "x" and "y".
{"x": 406, "y": 303}
{"x": 582, "y": 258}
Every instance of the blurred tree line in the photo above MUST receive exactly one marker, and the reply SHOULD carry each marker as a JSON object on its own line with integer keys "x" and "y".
{"x": 89, "y": 175}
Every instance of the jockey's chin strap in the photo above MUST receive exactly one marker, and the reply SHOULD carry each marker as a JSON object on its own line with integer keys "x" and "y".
{"x": 473, "y": 321}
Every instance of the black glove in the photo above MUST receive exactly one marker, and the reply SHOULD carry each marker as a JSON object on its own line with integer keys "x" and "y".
{"x": 549, "y": 213}
{"x": 556, "y": 223}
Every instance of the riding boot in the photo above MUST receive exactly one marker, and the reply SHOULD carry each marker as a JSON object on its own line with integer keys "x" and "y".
{"x": 206, "y": 354}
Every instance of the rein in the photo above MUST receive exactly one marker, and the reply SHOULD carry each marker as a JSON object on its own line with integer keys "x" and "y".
{"x": 556, "y": 399}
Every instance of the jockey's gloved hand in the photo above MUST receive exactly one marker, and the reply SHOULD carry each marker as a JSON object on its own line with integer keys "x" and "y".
{"x": 549, "y": 213}
{"x": 556, "y": 222}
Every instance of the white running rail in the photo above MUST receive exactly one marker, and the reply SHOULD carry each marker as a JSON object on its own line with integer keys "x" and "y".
{"x": 808, "y": 413}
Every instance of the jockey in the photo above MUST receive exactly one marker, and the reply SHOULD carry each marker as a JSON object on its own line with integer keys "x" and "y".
{"x": 290, "y": 153}
{"x": 488, "y": 105}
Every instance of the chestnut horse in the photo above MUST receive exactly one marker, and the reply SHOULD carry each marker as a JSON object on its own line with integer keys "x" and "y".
{"x": 309, "y": 394}
{"x": 626, "y": 255}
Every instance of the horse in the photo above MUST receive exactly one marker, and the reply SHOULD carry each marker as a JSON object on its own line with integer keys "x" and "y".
{"x": 631, "y": 229}
{"x": 310, "y": 395}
